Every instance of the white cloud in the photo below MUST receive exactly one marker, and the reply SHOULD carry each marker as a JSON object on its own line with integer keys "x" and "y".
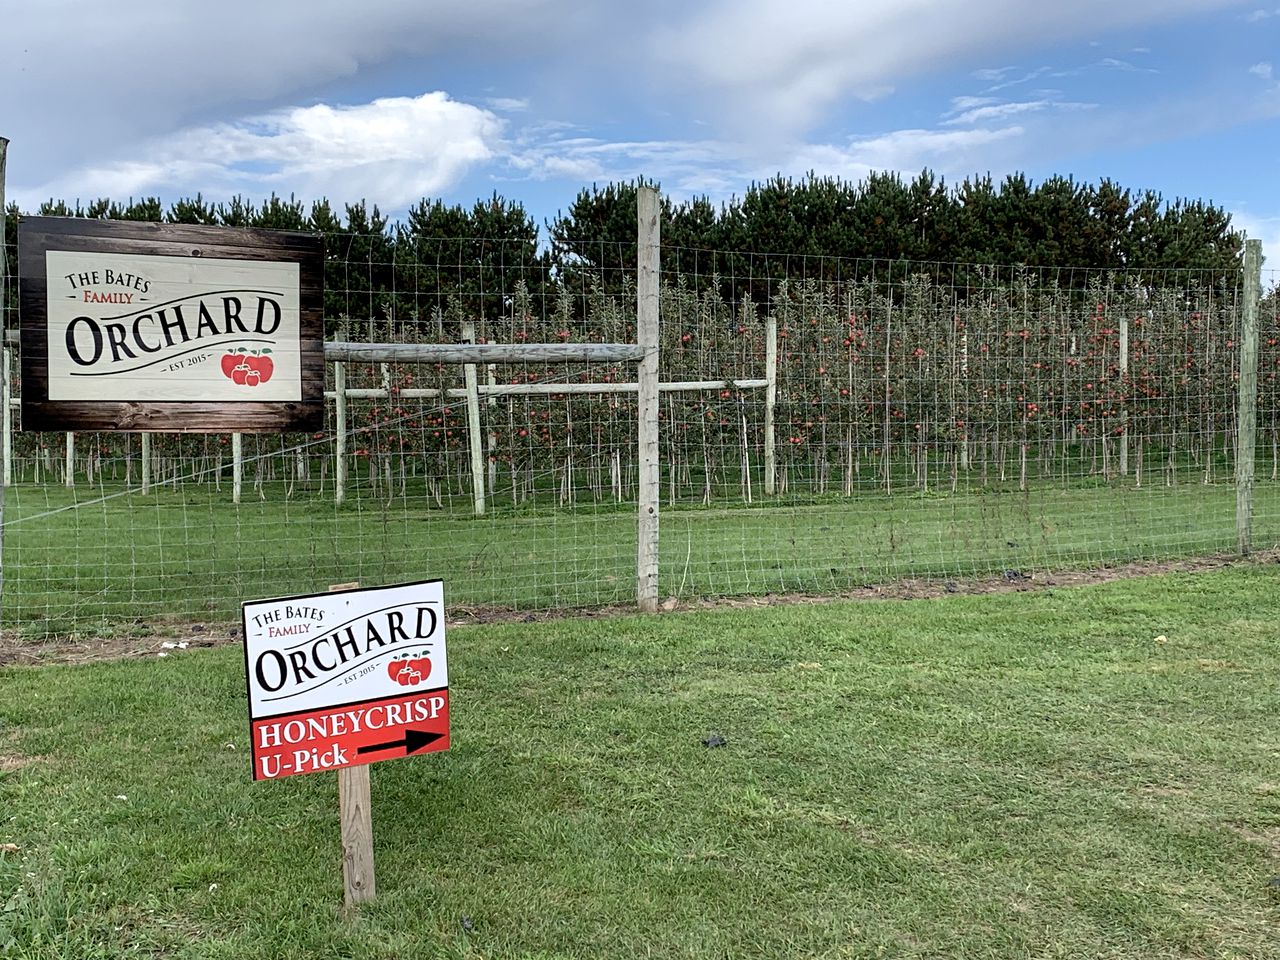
{"x": 960, "y": 104}
{"x": 1124, "y": 65}
{"x": 685, "y": 166}
{"x": 392, "y": 151}
{"x": 999, "y": 112}
{"x": 1257, "y": 15}
{"x": 1005, "y": 84}
{"x": 779, "y": 67}
{"x": 1262, "y": 70}
{"x": 83, "y": 78}
{"x": 951, "y": 152}
{"x": 718, "y": 169}
{"x": 508, "y": 104}
{"x": 1266, "y": 229}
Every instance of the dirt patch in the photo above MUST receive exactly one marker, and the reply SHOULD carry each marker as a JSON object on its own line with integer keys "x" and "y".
{"x": 168, "y": 640}
{"x": 1266, "y": 837}
{"x": 175, "y": 639}
{"x": 9, "y": 762}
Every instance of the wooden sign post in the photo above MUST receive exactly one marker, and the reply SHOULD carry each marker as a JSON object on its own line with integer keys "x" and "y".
{"x": 355, "y": 810}
{"x": 340, "y": 680}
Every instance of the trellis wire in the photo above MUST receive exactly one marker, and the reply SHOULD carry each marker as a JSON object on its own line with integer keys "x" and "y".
{"x": 941, "y": 421}
{"x": 933, "y": 421}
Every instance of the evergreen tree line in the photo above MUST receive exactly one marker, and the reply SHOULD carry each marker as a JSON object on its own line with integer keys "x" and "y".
{"x": 441, "y": 262}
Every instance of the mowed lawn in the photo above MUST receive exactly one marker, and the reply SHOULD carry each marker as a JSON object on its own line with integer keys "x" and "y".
{"x": 1090, "y": 772}
{"x": 84, "y": 560}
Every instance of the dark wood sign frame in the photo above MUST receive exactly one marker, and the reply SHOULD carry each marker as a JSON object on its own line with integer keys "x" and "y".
{"x": 37, "y": 235}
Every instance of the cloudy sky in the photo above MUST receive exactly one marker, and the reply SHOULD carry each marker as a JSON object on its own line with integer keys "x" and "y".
{"x": 394, "y": 100}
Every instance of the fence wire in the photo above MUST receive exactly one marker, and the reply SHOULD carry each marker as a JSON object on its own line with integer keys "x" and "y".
{"x": 933, "y": 421}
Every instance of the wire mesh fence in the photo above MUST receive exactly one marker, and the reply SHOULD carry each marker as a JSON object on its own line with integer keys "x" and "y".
{"x": 824, "y": 424}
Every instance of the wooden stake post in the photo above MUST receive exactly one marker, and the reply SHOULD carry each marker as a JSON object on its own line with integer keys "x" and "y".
{"x": 356, "y": 813}
{"x": 4, "y": 370}
{"x": 647, "y": 399}
{"x": 1247, "y": 400}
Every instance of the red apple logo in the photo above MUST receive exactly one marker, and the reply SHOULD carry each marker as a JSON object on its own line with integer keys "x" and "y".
{"x": 261, "y": 363}
{"x": 411, "y": 672}
{"x": 248, "y": 369}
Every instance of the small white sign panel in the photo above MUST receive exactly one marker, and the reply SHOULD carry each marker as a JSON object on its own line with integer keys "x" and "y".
{"x": 137, "y": 328}
{"x": 330, "y": 649}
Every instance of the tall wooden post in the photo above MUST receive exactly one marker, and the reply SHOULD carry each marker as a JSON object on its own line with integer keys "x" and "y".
{"x": 492, "y": 376}
{"x": 4, "y": 370}
{"x": 770, "y": 401}
{"x": 6, "y": 397}
{"x": 1247, "y": 404}
{"x": 475, "y": 442}
{"x": 69, "y": 478}
{"x": 1124, "y": 385}
{"x": 146, "y": 463}
{"x": 340, "y": 433}
{"x": 647, "y": 308}
{"x": 237, "y": 466}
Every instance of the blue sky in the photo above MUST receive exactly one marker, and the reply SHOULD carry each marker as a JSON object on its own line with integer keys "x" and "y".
{"x": 394, "y": 101}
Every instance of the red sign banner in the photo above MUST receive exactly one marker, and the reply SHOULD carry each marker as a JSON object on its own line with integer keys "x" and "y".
{"x": 349, "y": 735}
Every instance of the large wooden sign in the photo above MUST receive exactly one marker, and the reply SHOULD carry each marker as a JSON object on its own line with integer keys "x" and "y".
{"x": 146, "y": 326}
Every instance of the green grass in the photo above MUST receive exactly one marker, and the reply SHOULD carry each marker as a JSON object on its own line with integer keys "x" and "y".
{"x": 1025, "y": 775}
{"x": 100, "y": 559}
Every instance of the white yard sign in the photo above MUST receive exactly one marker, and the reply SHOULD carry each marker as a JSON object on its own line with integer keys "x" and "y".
{"x": 347, "y": 678}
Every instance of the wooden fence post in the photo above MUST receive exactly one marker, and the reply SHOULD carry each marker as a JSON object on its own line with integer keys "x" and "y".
{"x": 475, "y": 442}
{"x": 1247, "y": 404}
{"x": 647, "y": 308}
{"x": 340, "y": 433}
{"x": 4, "y": 371}
{"x": 492, "y": 377}
{"x": 146, "y": 463}
{"x": 69, "y": 479}
{"x": 1124, "y": 385}
{"x": 6, "y": 396}
{"x": 237, "y": 466}
{"x": 770, "y": 401}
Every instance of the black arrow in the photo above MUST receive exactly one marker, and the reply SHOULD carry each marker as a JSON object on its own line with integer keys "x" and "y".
{"x": 414, "y": 740}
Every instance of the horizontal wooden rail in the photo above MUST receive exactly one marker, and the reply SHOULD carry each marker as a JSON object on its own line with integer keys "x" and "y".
{"x": 543, "y": 389}
{"x": 482, "y": 352}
